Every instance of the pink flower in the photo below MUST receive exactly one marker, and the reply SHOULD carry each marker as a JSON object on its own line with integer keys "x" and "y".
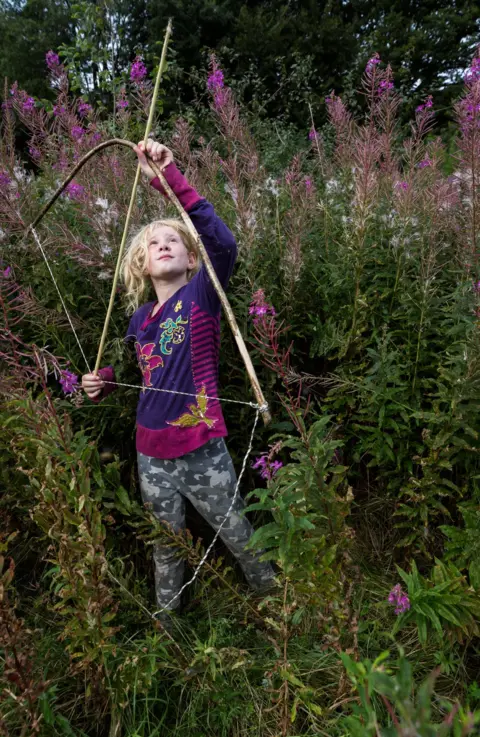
{"x": 138, "y": 70}
{"x": 308, "y": 184}
{"x": 6, "y": 272}
{"x": 269, "y": 468}
{"x": 69, "y": 382}
{"x": 215, "y": 81}
{"x": 312, "y": 135}
{"x": 372, "y": 63}
{"x": 34, "y": 152}
{"x": 474, "y": 72}
{"x": 77, "y": 132}
{"x": 59, "y": 110}
{"x": 75, "y": 191}
{"x": 259, "y": 307}
{"x": 424, "y": 163}
{"x": 400, "y": 599}
{"x": 476, "y": 287}
{"x": 384, "y": 86}
{"x": 29, "y": 105}
{"x": 84, "y": 109}
{"x": 427, "y": 104}
{"x": 4, "y": 179}
{"x": 53, "y": 60}
{"x": 402, "y": 185}
{"x": 122, "y": 104}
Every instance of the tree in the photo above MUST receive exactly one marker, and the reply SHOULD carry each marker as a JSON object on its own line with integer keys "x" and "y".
{"x": 28, "y": 30}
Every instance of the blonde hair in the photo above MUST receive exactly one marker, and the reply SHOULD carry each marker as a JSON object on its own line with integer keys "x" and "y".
{"x": 135, "y": 261}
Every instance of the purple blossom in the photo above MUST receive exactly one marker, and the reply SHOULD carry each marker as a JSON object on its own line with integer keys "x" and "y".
{"x": 53, "y": 60}
{"x": 29, "y": 104}
{"x": 122, "y": 104}
{"x": 34, "y": 152}
{"x": 215, "y": 80}
{"x": 4, "y": 179}
{"x": 402, "y": 185}
{"x": 6, "y": 272}
{"x": 372, "y": 63}
{"x": 259, "y": 307}
{"x": 269, "y": 468}
{"x": 312, "y": 135}
{"x": 476, "y": 287}
{"x": 69, "y": 382}
{"x": 59, "y": 110}
{"x": 424, "y": 163}
{"x": 138, "y": 70}
{"x": 96, "y": 137}
{"x": 84, "y": 109}
{"x": 75, "y": 191}
{"x": 400, "y": 599}
{"x": 77, "y": 132}
{"x": 384, "y": 85}
{"x": 474, "y": 72}
{"x": 427, "y": 104}
{"x": 308, "y": 184}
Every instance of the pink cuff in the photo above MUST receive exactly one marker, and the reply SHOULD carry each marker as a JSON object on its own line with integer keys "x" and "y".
{"x": 186, "y": 194}
{"x": 107, "y": 374}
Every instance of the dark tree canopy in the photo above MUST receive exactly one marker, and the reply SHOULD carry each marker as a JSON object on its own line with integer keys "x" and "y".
{"x": 285, "y": 53}
{"x": 27, "y": 31}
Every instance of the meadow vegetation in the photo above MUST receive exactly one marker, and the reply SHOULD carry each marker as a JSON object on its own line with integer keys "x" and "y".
{"x": 358, "y": 291}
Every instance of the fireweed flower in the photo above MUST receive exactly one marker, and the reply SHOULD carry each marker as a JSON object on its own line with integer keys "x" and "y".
{"x": 68, "y": 381}
{"x": 372, "y": 63}
{"x": 77, "y": 132}
{"x": 122, "y": 104}
{"x": 427, "y": 104}
{"x": 398, "y": 597}
{"x": 75, "y": 191}
{"x": 29, "y": 104}
{"x": 474, "y": 72}
{"x": 138, "y": 70}
{"x": 424, "y": 163}
{"x": 53, "y": 60}
{"x": 268, "y": 468}
{"x": 215, "y": 81}
{"x": 259, "y": 307}
{"x": 6, "y": 272}
{"x": 216, "y": 84}
{"x": 312, "y": 135}
{"x": 59, "y": 110}
{"x": 384, "y": 85}
{"x": 84, "y": 109}
{"x": 4, "y": 179}
{"x": 476, "y": 287}
{"x": 402, "y": 185}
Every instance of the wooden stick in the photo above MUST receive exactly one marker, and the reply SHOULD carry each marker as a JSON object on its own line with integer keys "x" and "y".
{"x": 133, "y": 198}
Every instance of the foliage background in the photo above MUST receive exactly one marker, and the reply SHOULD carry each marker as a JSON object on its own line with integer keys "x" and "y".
{"x": 357, "y": 289}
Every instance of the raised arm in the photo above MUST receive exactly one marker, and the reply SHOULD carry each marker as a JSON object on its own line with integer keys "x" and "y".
{"x": 217, "y": 238}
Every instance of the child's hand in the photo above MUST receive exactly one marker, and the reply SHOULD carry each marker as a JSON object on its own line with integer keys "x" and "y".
{"x": 157, "y": 152}
{"x": 92, "y": 385}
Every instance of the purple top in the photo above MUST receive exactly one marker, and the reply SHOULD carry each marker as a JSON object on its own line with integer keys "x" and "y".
{"x": 178, "y": 348}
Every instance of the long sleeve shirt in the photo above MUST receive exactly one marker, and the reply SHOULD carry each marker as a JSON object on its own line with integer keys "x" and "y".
{"x": 178, "y": 347}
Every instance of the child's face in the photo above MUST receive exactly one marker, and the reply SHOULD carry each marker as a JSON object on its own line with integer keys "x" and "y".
{"x": 168, "y": 257}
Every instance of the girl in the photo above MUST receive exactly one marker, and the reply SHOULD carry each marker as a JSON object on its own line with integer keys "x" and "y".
{"x": 180, "y": 439}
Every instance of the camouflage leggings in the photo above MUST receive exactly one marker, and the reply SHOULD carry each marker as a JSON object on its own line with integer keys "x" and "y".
{"x": 207, "y": 478}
